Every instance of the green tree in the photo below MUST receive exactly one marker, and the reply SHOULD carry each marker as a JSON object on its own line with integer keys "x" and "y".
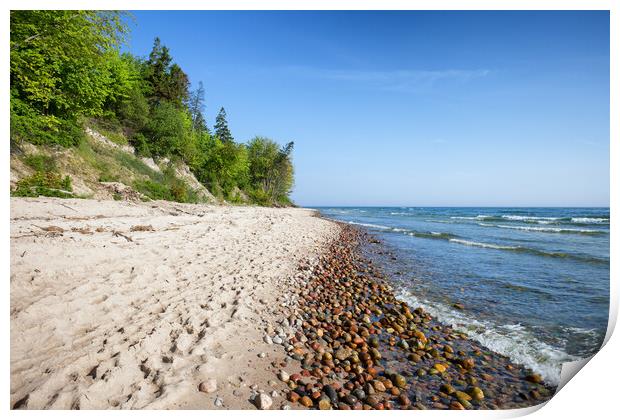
{"x": 59, "y": 68}
{"x": 167, "y": 81}
{"x": 166, "y": 130}
{"x": 196, "y": 106}
{"x": 271, "y": 169}
{"x": 221, "y": 127}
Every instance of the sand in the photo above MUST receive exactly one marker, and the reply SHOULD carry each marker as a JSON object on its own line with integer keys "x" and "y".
{"x": 133, "y": 305}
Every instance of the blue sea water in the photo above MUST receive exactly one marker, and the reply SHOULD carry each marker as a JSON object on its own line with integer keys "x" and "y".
{"x": 534, "y": 282}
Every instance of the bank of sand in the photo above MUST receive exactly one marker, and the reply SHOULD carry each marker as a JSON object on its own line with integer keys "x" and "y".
{"x": 133, "y": 305}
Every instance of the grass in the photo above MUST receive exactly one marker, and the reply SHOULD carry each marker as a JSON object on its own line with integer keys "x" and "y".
{"x": 113, "y": 131}
{"x": 115, "y": 165}
{"x": 93, "y": 162}
{"x": 46, "y": 181}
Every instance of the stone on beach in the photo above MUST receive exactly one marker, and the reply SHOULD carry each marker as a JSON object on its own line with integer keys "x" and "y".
{"x": 263, "y": 401}
{"x": 208, "y": 386}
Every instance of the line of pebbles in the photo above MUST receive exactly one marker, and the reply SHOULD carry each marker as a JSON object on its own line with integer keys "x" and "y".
{"x": 361, "y": 348}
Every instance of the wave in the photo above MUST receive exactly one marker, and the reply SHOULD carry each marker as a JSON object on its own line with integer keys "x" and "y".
{"x": 431, "y": 235}
{"x": 511, "y": 248}
{"x": 548, "y": 229}
{"x": 590, "y": 220}
{"x": 370, "y": 225}
{"x": 483, "y": 245}
{"x": 513, "y": 340}
{"x": 541, "y": 220}
{"x": 533, "y": 251}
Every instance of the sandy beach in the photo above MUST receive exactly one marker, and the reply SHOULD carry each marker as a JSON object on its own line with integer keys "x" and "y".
{"x": 153, "y": 305}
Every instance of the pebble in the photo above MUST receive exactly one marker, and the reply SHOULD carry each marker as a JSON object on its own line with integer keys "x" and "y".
{"x": 352, "y": 336}
{"x": 267, "y": 339}
{"x": 283, "y": 376}
{"x": 263, "y": 401}
{"x": 476, "y": 393}
{"x": 208, "y": 386}
{"x": 324, "y": 404}
{"x": 218, "y": 402}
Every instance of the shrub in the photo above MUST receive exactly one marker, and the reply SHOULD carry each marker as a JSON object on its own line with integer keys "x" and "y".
{"x": 49, "y": 184}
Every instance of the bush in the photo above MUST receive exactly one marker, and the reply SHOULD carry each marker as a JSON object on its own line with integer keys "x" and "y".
{"x": 141, "y": 145}
{"x": 40, "y": 162}
{"x": 28, "y": 125}
{"x": 49, "y": 184}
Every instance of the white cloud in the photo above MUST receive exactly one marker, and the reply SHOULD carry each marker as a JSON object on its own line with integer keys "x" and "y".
{"x": 396, "y": 80}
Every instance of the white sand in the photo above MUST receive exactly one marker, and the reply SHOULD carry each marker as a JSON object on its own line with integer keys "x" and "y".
{"x": 98, "y": 321}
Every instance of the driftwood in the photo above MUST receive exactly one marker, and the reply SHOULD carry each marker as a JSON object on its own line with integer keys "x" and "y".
{"x": 118, "y": 234}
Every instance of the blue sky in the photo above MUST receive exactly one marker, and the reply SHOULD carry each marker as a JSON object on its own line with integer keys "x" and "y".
{"x": 410, "y": 108}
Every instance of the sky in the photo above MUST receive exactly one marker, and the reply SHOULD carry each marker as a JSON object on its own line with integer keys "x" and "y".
{"x": 409, "y": 108}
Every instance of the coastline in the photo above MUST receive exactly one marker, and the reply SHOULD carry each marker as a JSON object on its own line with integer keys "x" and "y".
{"x": 164, "y": 305}
{"x": 364, "y": 348}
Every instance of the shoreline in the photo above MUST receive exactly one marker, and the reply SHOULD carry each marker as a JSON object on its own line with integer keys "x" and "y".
{"x": 364, "y": 348}
{"x": 166, "y": 305}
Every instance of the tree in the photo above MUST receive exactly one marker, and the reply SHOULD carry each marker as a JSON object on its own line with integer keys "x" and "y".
{"x": 168, "y": 82}
{"x": 221, "y": 127}
{"x": 271, "y": 169}
{"x": 166, "y": 130}
{"x": 59, "y": 67}
{"x": 196, "y": 107}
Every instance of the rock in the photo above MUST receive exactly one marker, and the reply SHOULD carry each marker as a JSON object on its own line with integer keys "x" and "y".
{"x": 293, "y": 397}
{"x": 359, "y": 393}
{"x": 262, "y": 355}
{"x": 306, "y": 401}
{"x": 324, "y": 404}
{"x": 350, "y": 399}
{"x": 455, "y": 405}
{"x": 342, "y": 354}
{"x": 218, "y": 402}
{"x": 439, "y": 367}
{"x": 267, "y": 339}
{"x": 283, "y": 376}
{"x": 331, "y": 393}
{"x": 467, "y": 363}
{"x": 373, "y": 342}
{"x": 476, "y": 393}
{"x": 208, "y": 386}
{"x": 276, "y": 340}
{"x": 263, "y": 401}
{"x": 285, "y": 407}
{"x": 534, "y": 377}
{"x": 378, "y": 386}
{"x": 448, "y": 389}
{"x": 460, "y": 395}
{"x": 458, "y": 306}
{"x": 375, "y": 354}
{"x": 399, "y": 381}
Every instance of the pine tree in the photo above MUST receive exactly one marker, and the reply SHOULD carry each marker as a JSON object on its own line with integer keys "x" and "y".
{"x": 196, "y": 108}
{"x": 221, "y": 127}
{"x": 168, "y": 81}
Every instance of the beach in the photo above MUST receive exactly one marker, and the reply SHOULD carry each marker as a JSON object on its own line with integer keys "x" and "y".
{"x": 164, "y": 305}
{"x": 133, "y": 305}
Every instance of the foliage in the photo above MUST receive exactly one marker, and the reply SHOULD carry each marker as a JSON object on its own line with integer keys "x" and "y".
{"x": 59, "y": 69}
{"x": 271, "y": 170}
{"x": 46, "y": 181}
{"x": 221, "y": 127}
{"x": 66, "y": 68}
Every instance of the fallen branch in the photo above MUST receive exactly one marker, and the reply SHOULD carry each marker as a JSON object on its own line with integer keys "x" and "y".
{"x": 117, "y": 234}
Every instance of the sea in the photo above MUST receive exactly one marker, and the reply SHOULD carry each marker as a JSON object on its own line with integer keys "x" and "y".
{"x": 533, "y": 282}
